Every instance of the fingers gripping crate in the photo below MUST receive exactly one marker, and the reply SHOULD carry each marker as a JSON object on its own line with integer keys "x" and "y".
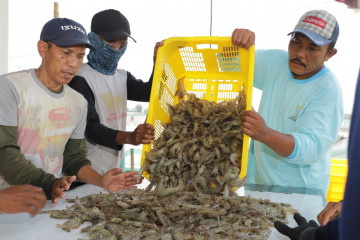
{"x": 210, "y": 67}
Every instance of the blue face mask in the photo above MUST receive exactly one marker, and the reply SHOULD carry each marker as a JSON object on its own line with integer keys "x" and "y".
{"x": 105, "y": 59}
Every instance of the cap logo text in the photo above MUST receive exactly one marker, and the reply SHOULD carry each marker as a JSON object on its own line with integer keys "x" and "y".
{"x": 68, "y": 27}
{"x": 315, "y": 21}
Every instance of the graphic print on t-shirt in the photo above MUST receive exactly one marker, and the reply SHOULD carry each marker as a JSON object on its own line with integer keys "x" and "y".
{"x": 113, "y": 106}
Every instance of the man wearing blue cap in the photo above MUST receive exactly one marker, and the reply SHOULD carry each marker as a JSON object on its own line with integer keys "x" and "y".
{"x": 301, "y": 107}
{"x": 42, "y": 120}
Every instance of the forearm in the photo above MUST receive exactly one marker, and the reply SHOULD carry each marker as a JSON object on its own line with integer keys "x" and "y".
{"x": 89, "y": 175}
{"x": 255, "y": 127}
{"x": 76, "y": 163}
{"x": 102, "y": 135}
{"x": 75, "y": 157}
{"x": 282, "y": 144}
{"x": 123, "y": 137}
{"x": 15, "y": 168}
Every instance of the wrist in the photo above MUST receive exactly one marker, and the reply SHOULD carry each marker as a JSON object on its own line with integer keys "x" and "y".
{"x": 267, "y": 135}
{"x": 48, "y": 188}
{"x": 123, "y": 137}
{"x": 89, "y": 175}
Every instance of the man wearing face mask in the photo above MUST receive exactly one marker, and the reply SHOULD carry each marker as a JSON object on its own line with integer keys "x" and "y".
{"x": 107, "y": 89}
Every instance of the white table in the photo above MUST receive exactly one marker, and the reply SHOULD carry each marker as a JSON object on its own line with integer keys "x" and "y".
{"x": 20, "y": 226}
{"x": 309, "y": 202}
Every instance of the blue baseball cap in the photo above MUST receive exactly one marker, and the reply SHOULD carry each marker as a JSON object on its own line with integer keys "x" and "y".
{"x": 65, "y": 32}
{"x": 319, "y": 26}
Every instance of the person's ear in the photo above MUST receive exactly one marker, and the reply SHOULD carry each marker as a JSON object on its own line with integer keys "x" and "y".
{"x": 42, "y": 48}
{"x": 330, "y": 53}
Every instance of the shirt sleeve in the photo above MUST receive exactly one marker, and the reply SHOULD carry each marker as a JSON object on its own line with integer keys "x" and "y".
{"x": 138, "y": 90}
{"x": 318, "y": 128}
{"x": 79, "y": 131}
{"x": 9, "y": 100}
{"x": 15, "y": 168}
{"x": 75, "y": 156}
{"x": 95, "y": 131}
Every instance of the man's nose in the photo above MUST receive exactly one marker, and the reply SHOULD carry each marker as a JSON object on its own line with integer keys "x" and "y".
{"x": 73, "y": 61}
{"x": 300, "y": 51}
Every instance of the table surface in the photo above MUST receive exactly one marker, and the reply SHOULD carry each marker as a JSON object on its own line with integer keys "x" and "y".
{"x": 309, "y": 202}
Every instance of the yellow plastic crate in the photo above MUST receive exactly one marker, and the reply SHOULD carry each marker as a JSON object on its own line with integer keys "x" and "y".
{"x": 338, "y": 173}
{"x": 211, "y": 67}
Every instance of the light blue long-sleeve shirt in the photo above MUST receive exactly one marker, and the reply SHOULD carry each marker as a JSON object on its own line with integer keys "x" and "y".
{"x": 311, "y": 110}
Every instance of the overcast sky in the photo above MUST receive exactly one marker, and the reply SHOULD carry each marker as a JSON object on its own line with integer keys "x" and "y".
{"x": 155, "y": 20}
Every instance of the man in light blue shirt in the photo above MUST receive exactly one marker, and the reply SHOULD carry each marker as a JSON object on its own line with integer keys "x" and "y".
{"x": 301, "y": 107}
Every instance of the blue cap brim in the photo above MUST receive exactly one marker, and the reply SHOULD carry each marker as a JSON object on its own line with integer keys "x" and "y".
{"x": 316, "y": 38}
{"x": 72, "y": 42}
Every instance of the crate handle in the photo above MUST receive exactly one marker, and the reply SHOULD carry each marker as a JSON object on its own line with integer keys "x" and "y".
{"x": 207, "y": 45}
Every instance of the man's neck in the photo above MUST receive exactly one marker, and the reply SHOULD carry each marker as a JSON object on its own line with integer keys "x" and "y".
{"x": 44, "y": 78}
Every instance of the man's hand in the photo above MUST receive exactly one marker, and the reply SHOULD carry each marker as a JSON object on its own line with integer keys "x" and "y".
{"x": 22, "y": 198}
{"x": 243, "y": 38}
{"x": 157, "y": 45}
{"x": 332, "y": 210}
{"x": 115, "y": 180}
{"x": 254, "y": 125}
{"x": 304, "y": 231}
{"x": 62, "y": 184}
{"x": 143, "y": 134}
